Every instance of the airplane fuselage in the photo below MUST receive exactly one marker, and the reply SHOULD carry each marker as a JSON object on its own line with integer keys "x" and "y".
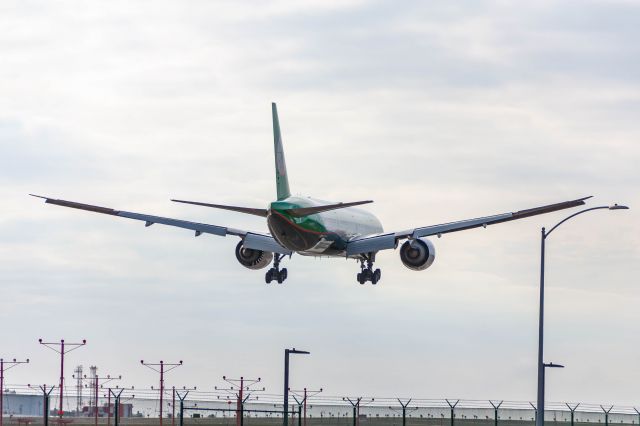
{"x": 320, "y": 234}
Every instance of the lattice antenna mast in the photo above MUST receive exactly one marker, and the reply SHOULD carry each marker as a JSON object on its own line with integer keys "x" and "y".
{"x": 162, "y": 368}
{"x": 62, "y": 348}
{"x": 238, "y": 387}
{"x": 4, "y": 366}
{"x": 78, "y": 373}
{"x": 304, "y": 394}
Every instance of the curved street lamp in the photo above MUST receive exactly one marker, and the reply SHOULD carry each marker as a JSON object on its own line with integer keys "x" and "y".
{"x": 541, "y": 365}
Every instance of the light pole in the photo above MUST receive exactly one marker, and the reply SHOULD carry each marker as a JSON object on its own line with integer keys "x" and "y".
{"x": 161, "y": 368}
{"x": 541, "y": 364}
{"x": 285, "y": 420}
{"x": 4, "y": 366}
{"x": 62, "y": 348}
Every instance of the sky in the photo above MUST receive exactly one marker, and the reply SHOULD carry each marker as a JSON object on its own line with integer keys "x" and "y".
{"x": 437, "y": 111}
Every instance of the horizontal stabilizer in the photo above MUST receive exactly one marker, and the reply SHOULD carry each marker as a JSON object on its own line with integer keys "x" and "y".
{"x": 247, "y": 210}
{"x": 306, "y": 211}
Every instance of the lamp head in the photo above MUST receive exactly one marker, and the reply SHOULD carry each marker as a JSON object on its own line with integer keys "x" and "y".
{"x": 618, "y": 207}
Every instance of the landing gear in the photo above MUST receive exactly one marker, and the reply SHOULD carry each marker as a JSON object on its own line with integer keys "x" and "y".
{"x": 366, "y": 272}
{"x": 276, "y": 273}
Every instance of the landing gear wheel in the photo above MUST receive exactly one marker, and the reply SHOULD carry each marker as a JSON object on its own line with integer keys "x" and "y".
{"x": 366, "y": 272}
{"x": 275, "y": 274}
{"x": 376, "y": 277}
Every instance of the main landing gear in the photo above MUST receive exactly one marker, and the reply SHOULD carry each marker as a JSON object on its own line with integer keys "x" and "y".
{"x": 276, "y": 273}
{"x": 367, "y": 273}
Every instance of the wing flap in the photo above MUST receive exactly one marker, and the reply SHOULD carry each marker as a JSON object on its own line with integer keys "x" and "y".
{"x": 263, "y": 243}
{"x": 199, "y": 228}
{"x": 371, "y": 244}
{"x": 488, "y": 220}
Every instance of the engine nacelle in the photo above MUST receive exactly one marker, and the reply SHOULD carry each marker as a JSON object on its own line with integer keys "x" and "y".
{"x": 252, "y": 259}
{"x": 417, "y": 254}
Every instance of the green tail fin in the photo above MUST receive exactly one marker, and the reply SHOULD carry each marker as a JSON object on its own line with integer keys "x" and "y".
{"x": 282, "y": 183}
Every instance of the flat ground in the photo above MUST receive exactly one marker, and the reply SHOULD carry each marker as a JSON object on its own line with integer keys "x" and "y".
{"x": 262, "y": 421}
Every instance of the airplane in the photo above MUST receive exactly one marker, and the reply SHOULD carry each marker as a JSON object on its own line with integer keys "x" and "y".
{"x": 313, "y": 227}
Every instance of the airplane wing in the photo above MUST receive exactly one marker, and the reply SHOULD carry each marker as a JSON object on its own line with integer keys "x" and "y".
{"x": 367, "y": 244}
{"x": 257, "y": 241}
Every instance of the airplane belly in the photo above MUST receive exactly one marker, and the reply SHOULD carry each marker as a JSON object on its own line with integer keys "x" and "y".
{"x": 292, "y": 236}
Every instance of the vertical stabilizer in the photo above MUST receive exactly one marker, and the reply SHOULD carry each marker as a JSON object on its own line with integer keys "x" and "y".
{"x": 282, "y": 182}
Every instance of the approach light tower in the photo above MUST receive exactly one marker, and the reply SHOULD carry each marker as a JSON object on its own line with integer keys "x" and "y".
{"x": 237, "y": 388}
{"x": 4, "y": 366}
{"x": 304, "y": 395}
{"x": 95, "y": 381}
{"x": 162, "y": 368}
{"x": 62, "y": 348}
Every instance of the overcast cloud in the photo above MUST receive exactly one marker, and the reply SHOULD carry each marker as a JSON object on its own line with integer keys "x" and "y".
{"x": 438, "y": 111}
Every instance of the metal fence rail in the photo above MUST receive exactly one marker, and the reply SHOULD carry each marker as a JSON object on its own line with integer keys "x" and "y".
{"x": 25, "y": 406}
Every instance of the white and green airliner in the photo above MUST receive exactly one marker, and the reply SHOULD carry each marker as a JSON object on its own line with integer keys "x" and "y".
{"x": 312, "y": 227}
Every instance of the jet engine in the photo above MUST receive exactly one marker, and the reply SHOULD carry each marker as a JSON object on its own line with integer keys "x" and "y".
{"x": 417, "y": 254}
{"x": 252, "y": 259}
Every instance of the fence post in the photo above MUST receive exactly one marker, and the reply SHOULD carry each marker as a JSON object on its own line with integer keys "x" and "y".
{"x": 116, "y": 409}
{"x": 45, "y": 403}
{"x": 495, "y": 411}
{"x": 182, "y": 398}
{"x": 453, "y": 407}
{"x": 46, "y": 409}
{"x": 606, "y": 414}
{"x": 535, "y": 413}
{"x": 573, "y": 410}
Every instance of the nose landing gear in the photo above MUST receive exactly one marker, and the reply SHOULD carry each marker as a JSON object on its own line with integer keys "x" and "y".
{"x": 366, "y": 272}
{"x": 276, "y": 273}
